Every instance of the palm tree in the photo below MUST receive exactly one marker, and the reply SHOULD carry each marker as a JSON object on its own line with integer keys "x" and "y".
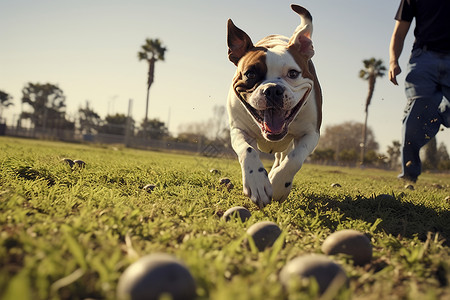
{"x": 373, "y": 68}
{"x": 152, "y": 51}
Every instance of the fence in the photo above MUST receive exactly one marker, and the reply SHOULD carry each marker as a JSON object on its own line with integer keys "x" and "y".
{"x": 210, "y": 149}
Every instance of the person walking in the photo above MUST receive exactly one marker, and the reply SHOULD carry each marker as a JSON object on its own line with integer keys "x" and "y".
{"x": 427, "y": 83}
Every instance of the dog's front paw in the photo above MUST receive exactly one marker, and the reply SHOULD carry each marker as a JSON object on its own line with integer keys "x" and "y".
{"x": 281, "y": 185}
{"x": 257, "y": 186}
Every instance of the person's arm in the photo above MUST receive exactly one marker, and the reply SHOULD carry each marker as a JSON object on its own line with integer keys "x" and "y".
{"x": 398, "y": 38}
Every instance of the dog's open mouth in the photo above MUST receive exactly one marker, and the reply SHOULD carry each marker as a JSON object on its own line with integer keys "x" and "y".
{"x": 274, "y": 122}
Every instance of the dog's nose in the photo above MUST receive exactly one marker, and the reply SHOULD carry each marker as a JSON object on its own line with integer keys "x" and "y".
{"x": 274, "y": 94}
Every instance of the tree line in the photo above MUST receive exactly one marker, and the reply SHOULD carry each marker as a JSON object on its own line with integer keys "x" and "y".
{"x": 45, "y": 110}
{"x": 341, "y": 144}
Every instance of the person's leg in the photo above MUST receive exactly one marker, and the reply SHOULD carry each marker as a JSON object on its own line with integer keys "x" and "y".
{"x": 444, "y": 111}
{"x": 422, "y": 120}
{"x": 444, "y": 106}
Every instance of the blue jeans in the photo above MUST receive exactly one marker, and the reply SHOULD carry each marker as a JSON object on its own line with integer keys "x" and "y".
{"x": 427, "y": 89}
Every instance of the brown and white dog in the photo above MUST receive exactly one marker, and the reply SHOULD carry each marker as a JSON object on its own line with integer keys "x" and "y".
{"x": 274, "y": 104}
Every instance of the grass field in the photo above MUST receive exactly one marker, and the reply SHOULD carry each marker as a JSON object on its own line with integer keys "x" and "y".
{"x": 69, "y": 234}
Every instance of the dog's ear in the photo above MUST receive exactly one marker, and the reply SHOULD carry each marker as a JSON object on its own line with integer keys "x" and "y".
{"x": 238, "y": 43}
{"x": 301, "y": 39}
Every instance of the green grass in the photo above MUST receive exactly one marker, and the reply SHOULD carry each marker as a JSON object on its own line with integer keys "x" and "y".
{"x": 69, "y": 234}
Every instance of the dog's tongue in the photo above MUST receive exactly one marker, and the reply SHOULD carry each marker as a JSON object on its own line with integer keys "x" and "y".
{"x": 273, "y": 120}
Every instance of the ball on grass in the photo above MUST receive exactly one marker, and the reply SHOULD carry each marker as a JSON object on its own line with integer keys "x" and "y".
{"x": 264, "y": 234}
{"x": 155, "y": 275}
{"x": 224, "y": 181}
{"x": 214, "y": 171}
{"x": 79, "y": 163}
{"x": 319, "y": 267}
{"x": 227, "y": 183}
{"x": 68, "y": 161}
{"x": 409, "y": 187}
{"x": 149, "y": 188}
{"x": 350, "y": 242}
{"x": 237, "y": 211}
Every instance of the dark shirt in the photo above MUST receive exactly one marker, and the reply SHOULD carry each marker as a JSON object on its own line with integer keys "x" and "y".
{"x": 432, "y": 23}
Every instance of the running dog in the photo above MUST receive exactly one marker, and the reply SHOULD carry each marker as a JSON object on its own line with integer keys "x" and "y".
{"x": 274, "y": 105}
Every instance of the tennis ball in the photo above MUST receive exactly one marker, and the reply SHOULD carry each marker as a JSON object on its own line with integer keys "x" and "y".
{"x": 149, "y": 188}
{"x": 155, "y": 275}
{"x": 237, "y": 211}
{"x": 79, "y": 163}
{"x": 324, "y": 271}
{"x": 409, "y": 187}
{"x": 227, "y": 183}
{"x": 68, "y": 161}
{"x": 350, "y": 242}
{"x": 264, "y": 234}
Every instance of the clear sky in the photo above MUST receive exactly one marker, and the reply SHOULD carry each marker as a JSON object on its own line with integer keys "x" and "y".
{"x": 89, "y": 49}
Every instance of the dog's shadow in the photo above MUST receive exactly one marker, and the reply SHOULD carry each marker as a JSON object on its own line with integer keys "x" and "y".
{"x": 399, "y": 218}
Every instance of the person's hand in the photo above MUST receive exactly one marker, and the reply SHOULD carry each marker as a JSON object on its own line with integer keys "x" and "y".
{"x": 394, "y": 70}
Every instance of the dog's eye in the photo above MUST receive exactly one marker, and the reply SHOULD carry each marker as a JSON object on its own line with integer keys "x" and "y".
{"x": 250, "y": 74}
{"x": 293, "y": 74}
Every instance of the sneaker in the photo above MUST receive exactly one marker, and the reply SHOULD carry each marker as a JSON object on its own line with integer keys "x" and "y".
{"x": 407, "y": 178}
{"x": 444, "y": 109}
